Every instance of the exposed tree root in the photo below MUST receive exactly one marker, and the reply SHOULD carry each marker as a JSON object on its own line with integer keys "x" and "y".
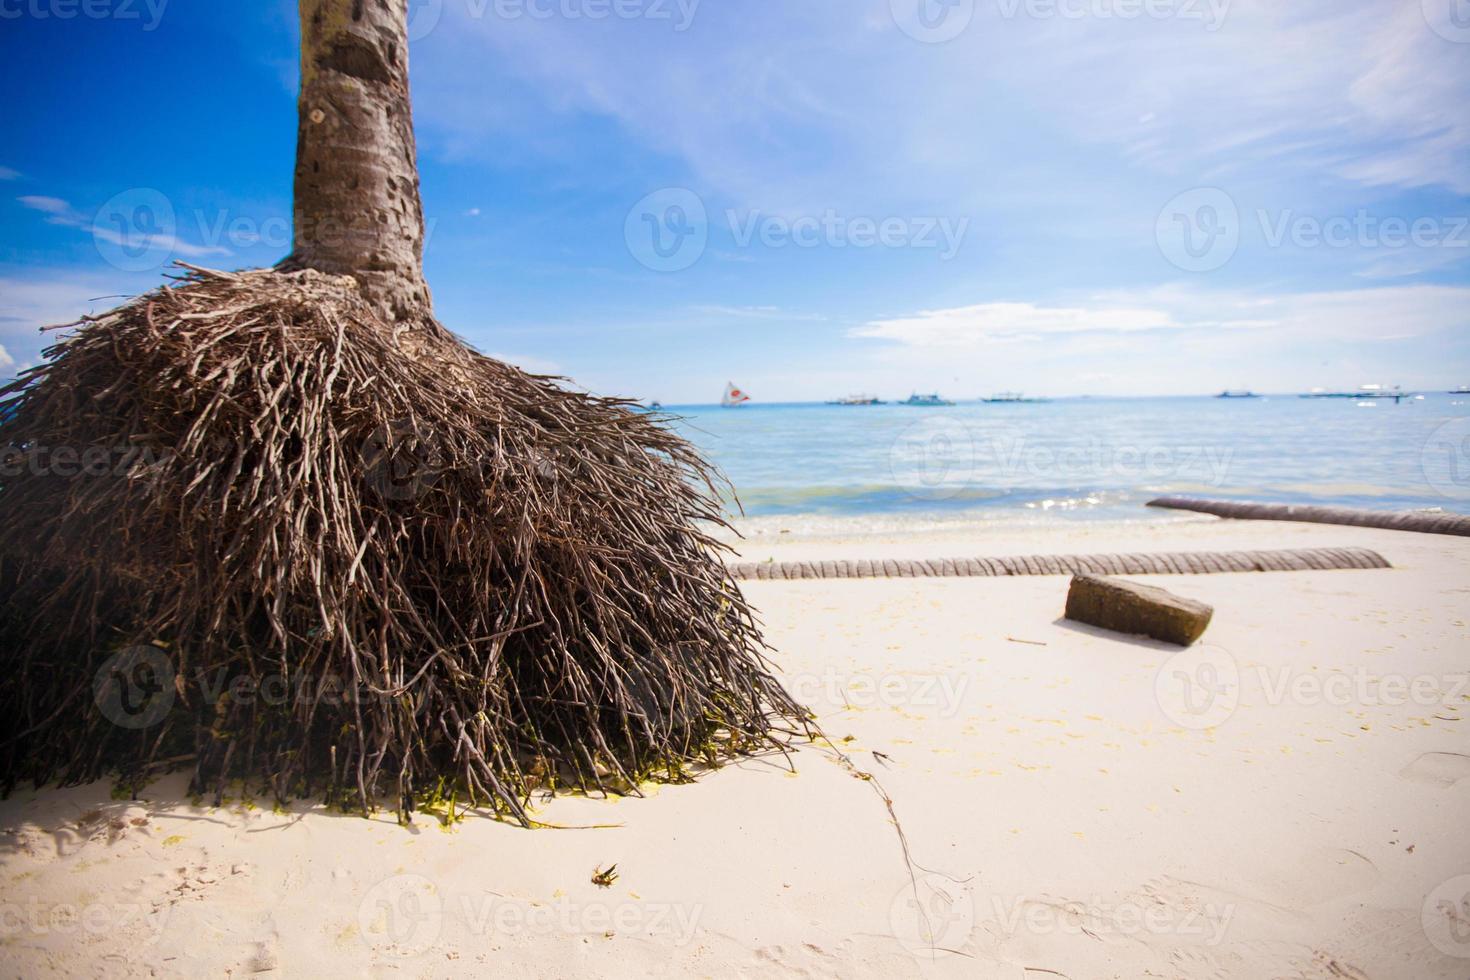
{"x": 246, "y": 524}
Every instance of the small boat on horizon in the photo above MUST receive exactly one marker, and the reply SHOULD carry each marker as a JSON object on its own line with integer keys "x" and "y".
{"x": 926, "y": 401}
{"x": 1462, "y": 390}
{"x": 1013, "y": 398}
{"x": 857, "y": 400}
{"x": 1237, "y": 393}
{"x": 733, "y": 397}
{"x": 1364, "y": 393}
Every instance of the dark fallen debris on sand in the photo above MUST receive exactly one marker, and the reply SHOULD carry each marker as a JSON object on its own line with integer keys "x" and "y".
{"x": 1425, "y": 522}
{"x": 1128, "y": 607}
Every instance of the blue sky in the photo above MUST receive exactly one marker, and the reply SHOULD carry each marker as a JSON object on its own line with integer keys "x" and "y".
{"x": 809, "y": 197}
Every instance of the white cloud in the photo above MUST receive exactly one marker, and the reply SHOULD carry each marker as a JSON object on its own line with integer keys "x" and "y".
{"x": 1388, "y": 313}
{"x": 1410, "y": 262}
{"x": 968, "y": 326}
{"x": 752, "y": 313}
{"x": 1412, "y": 95}
{"x": 171, "y": 244}
{"x": 1173, "y": 339}
{"x": 821, "y": 102}
{"x": 61, "y": 213}
{"x": 1362, "y": 91}
{"x": 48, "y": 205}
{"x": 47, "y": 298}
{"x": 8, "y": 174}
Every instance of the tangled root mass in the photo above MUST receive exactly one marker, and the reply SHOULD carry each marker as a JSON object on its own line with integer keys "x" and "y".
{"x": 249, "y": 528}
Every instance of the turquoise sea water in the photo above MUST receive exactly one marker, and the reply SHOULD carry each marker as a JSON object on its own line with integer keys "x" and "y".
{"x": 1086, "y": 458}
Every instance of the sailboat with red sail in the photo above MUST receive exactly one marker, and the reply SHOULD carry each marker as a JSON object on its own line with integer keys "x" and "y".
{"x": 734, "y": 397}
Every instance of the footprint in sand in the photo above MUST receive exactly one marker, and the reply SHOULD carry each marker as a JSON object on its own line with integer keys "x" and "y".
{"x": 1437, "y": 768}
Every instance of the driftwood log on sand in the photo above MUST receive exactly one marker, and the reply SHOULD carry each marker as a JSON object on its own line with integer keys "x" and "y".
{"x": 1168, "y": 563}
{"x": 1425, "y": 522}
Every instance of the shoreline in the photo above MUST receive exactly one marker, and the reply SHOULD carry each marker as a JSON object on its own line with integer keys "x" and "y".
{"x": 787, "y": 528}
{"x": 771, "y": 529}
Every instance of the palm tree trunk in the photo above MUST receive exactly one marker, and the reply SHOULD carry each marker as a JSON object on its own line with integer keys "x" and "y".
{"x": 357, "y": 209}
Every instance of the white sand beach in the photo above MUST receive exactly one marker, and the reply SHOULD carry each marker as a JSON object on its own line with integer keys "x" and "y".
{"x": 1074, "y": 805}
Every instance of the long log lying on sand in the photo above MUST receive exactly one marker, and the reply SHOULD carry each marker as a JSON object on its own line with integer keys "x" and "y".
{"x": 1425, "y": 522}
{"x": 1169, "y": 563}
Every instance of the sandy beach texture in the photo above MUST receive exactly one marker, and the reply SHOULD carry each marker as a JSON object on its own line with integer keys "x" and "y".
{"x": 1288, "y": 799}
